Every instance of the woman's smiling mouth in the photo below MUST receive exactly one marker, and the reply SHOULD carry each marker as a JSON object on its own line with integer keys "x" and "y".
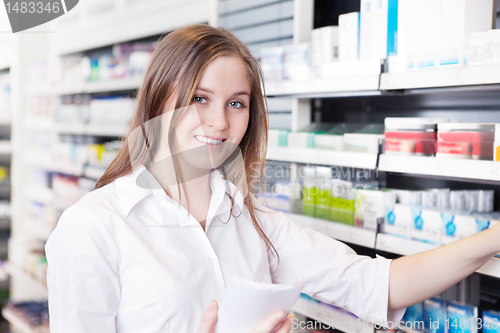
{"x": 208, "y": 140}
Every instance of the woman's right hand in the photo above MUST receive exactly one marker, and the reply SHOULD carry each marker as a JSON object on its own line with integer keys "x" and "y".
{"x": 209, "y": 318}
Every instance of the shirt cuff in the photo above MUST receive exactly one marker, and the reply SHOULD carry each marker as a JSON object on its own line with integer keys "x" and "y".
{"x": 391, "y": 318}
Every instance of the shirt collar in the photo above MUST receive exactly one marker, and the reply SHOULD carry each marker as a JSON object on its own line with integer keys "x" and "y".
{"x": 134, "y": 187}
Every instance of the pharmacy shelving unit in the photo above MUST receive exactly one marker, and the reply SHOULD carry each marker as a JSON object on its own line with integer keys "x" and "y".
{"x": 378, "y": 241}
{"x": 88, "y": 26}
{"x": 339, "y": 231}
{"x": 464, "y": 80}
{"x": 324, "y": 157}
{"x": 474, "y": 170}
{"x": 328, "y": 316}
{"x": 5, "y": 160}
{"x": 464, "y": 76}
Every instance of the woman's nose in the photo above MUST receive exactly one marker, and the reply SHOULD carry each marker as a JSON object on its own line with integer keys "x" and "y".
{"x": 217, "y": 118}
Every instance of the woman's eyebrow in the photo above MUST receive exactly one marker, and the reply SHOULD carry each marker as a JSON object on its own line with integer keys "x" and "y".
{"x": 211, "y": 92}
{"x": 205, "y": 89}
{"x": 241, "y": 93}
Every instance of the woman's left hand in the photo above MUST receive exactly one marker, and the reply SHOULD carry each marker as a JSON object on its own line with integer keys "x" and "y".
{"x": 208, "y": 320}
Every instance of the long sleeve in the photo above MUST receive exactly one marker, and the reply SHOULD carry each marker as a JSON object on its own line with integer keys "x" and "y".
{"x": 82, "y": 276}
{"x": 329, "y": 270}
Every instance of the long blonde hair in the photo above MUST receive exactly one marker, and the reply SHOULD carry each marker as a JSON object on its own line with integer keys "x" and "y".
{"x": 177, "y": 65}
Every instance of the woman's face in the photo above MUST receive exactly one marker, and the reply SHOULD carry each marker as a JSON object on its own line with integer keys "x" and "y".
{"x": 216, "y": 121}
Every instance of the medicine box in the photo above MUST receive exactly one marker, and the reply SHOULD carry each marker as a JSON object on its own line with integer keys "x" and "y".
{"x": 296, "y": 62}
{"x": 410, "y": 136}
{"x": 457, "y": 20}
{"x": 435, "y": 315}
{"x": 323, "y": 198}
{"x": 309, "y": 191}
{"x": 378, "y": 28}
{"x": 342, "y": 202}
{"x": 426, "y": 225}
{"x": 271, "y": 61}
{"x": 398, "y": 221}
{"x": 363, "y": 143}
{"x": 324, "y": 45}
{"x": 465, "y": 140}
{"x": 333, "y": 139}
{"x": 458, "y": 314}
{"x": 349, "y": 25}
{"x": 369, "y": 207}
{"x": 305, "y": 138}
{"x": 496, "y": 144}
{"x": 277, "y": 138}
{"x": 457, "y": 226}
{"x": 491, "y": 321}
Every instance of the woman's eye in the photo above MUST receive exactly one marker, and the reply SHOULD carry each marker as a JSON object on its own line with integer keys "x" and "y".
{"x": 237, "y": 105}
{"x": 199, "y": 99}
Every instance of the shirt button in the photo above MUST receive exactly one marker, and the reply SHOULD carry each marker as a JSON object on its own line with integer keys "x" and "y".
{"x": 210, "y": 262}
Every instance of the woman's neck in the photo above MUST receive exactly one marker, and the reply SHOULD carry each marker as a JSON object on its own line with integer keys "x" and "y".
{"x": 196, "y": 186}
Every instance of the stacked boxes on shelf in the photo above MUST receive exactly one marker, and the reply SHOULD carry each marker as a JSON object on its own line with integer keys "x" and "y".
{"x": 466, "y": 141}
{"x": 438, "y": 315}
{"x": 441, "y": 138}
{"x": 29, "y": 256}
{"x": 437, "y": 33}
{"x": 364, "y": 138}
{"x": 439, "y": 216}
{"x": 435, "y": 216}
{"x": 378, "y": 28}
{"x": 111, "y": 110}
{"x": 126, "y": 60}
{"x": 484, "y": 48}
{"x": 411, "y": 136}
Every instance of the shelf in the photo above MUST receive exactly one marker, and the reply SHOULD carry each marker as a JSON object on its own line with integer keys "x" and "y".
{"x": 491, "y": 268}
{"x": 39, "y": 194}
{"x": 104, "y": 129}
{"x": 330, "y": 317}
{"x": 336, "y": 230}
{"x": 149, "y": 19}
{"x": 93, "y": 172}
{"x": 67, "y": 169}
{"x": 37, "y": 230}
{"x": 20, "y": 274}
{"x": 441, "y": 77}
{"x": 323, "y": 157}
{"x": 441, "y": 167}
{"x": 339, "y": 87}
{"x": 402, "y": 246}
{"x": 104, "y": 86}
{"x": 97, "y": 129}
{"x": 130, "y": 83}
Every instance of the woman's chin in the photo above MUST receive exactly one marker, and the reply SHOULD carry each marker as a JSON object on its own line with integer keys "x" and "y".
{"x": 208, "y": 156}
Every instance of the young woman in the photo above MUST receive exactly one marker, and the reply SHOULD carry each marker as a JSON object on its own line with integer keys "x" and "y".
{"x": 172, "y": 221}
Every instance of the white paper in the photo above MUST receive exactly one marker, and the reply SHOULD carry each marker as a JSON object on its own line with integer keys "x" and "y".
{"x": 248, "y": 303}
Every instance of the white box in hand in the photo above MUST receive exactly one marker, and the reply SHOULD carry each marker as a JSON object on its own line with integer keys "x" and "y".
{"x": 248, "y": 303}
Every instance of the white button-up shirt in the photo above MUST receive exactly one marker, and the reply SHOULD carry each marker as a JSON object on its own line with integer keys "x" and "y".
{"x": 128, "y": 259}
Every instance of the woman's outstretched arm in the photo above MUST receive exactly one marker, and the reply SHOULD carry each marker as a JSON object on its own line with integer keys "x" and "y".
{"x": 420, "y": 276}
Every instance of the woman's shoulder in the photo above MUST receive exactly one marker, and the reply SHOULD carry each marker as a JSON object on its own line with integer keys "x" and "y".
{"x": 103, "y": 202}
